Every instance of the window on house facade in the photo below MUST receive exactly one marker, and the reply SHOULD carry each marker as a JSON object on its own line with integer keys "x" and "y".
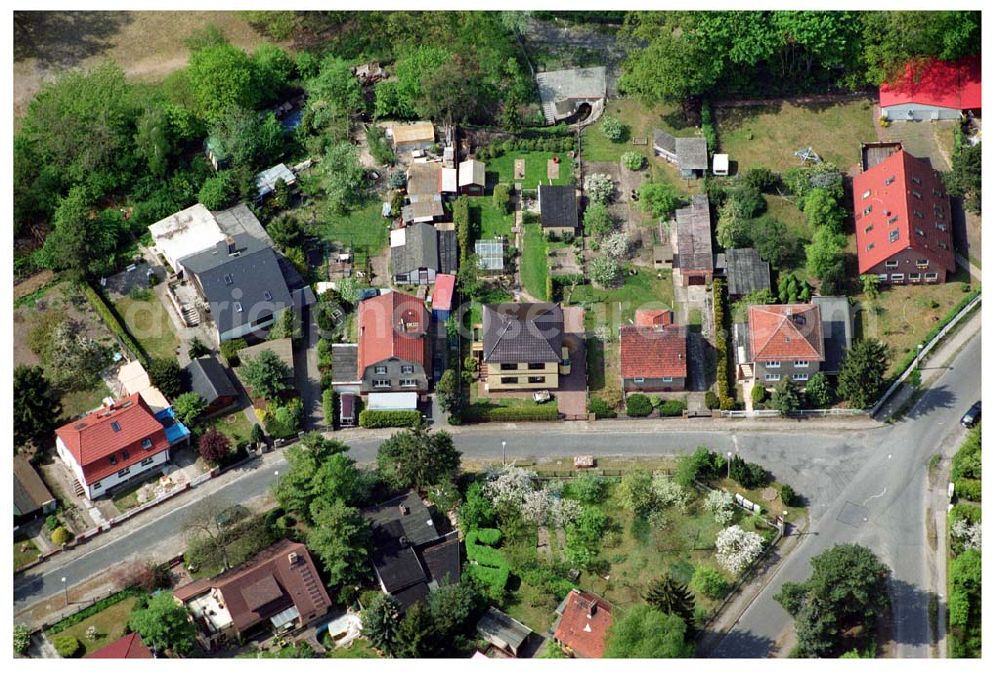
{"x": 125, "y": 455}
{"x": 536, "y": 365}
{"x": 509, "y": 380}
{"x": 882, "y": 277}
{"x": 922, "y": 263}
{"x": 868, "y": 210}
{"x": 894, "y": 263}
{"x": 639, "y": 380}
{"x": 96, "y": 485}
{"x": 943, "y": 245}
{"x": 898, "y": 277}
{"x": 148, "y": 461}
{"x": 893, "y": 235}
{"x": 919, "y": 214}
{"x": 914, "y": 277}
{"x": 772, "y": 364}
{"x": 507, "y": 366}
{"x": 800, "y": 377}
{"x": 124, "y": 472}
{"x": 772, "y": 377}
{"x": 146, "y": 444}
{"x": 536, "y": 379}
{"x": 407, "y": 369}
{"x": 941, "y": 226}
{"x": 917, "y": 194}
{"x": 382, "y": 370}
{"x": 930, "y": 277}
{"x": 801, "y": 363}
{"x": 920, "y": 232}
{"x": 668, "y": 379}
{"x": 408, "y": 383}
{"x": 381, "y": 383}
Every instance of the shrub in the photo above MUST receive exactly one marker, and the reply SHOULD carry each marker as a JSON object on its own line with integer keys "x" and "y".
{"x": 637, "y": 405}
{"x": 61, "y": 536}
{"x": 788, "y": 496}
{"x": 971, "y": 490}
{"x": 758, "y": 394}
{"x": 599, "y": 188}
{"x": 748, "y": 475}
{"x": 22, "y": 639}
{"x": 633, "y": 161}
{"x": 711, "y": 400}
{"x": 67, "y": 646}
{"x": 725, "y": 400}
{"x": 482, "y": 412}
{"x": 111, "y": 321}
{"x": 672, "y": 408}
{"x": 328, "y": 406}
{"x": 389, "y": 419}
{"x": 600, "y": 408}
{"x": 501, "y": 197}
{"x": 197, "y": 349}
{"x": 702, "y": 464}
{"x": 709, "y": 582}
{"x": 214, "y": 447}
{"x": 284, "y": 420}
{"x": 708, "y": 127}
{"x": 613, "y": 128}
{"x": 229, "y": 350}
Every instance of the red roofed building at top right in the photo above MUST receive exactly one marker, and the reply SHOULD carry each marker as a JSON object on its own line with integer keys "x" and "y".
{"x": 902, "y": 218}
{"x": 934, "y": 90}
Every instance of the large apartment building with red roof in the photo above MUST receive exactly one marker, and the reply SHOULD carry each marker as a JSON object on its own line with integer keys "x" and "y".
{"x": 393, "y": 346}
{"x": 902, "y": 217}
{"x": 118, "y": 443}
{"x": 785, "y": 340}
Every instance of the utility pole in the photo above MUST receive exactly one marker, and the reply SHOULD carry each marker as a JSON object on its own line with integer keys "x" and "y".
{"x": 729, "y": 462}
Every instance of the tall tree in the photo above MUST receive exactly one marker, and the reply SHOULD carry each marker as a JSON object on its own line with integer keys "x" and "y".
{"x": 646, "y": 632}
{"x": 416, "y": 637}
{"x": 222, "y": 76}
{"x": 416, "y": 459}
{"x": 671, "y": 597}
{"x": 343, "y": 177}
{"x": 380, "y": 623}
{"x": 246, "y": 139}
{"x": 266, "y": 374}
{"x": 319, "y": 468}
{"x": 862, "y": 372}
{"x": 36, "y": 406}
{"x": 164, "y": 624}
{"x": 340, "y": 541}
{"x": 848, "y": 587}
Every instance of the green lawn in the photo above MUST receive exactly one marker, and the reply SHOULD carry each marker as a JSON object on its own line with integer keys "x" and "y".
{"x": 109, "y": 623}
{"x": 362, "y": 228}
{"x": 610, "y": 307}
{"x": 640, "y": 121}
{"x": 147, "y": 321}
{"x": 604, "y": 370}
{"x": 768, "y": 136}
{"x": 81, "y": 401}
{"x": 491, "y": 221}
{"x": 234, "y": 425}
{"x": 534, "y": 261}
{"x": 25, "y": 551}
{"x": 494, "y": 295}
{"x": 360, "y": 648}
{"x": 535, "y": 168}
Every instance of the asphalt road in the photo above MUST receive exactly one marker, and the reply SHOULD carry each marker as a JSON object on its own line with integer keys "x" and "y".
{"x": 862, "y": 486}
{"x": 879, "y": 505}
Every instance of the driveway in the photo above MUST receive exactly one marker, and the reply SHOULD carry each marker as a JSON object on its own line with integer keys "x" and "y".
{"x": 307, "y": 375}
{"x": 573, "y": 388}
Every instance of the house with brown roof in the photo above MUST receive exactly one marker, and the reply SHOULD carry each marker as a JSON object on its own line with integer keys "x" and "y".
{"x": 129, "y": 646}
{"x": 410, "y": 136}
{"x": 393, "y": 348}
{"x": 785, "y": 340}
{"x": 653, "y": 353}
{"x": 523, "y": 346}
{"x": 119, "y": 443}
{"x": 692, "y": 238}
{"x": 278, "y": 590}
{"x": 584, "y": 621}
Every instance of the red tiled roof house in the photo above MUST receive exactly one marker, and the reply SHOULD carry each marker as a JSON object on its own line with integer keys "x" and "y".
{"x": 934, "y": 90}
{"x": 279, "y": 589}
{"x": 129, "y": 646}
{"x": 785, "y": 340}
{"x": 117, "y": 444}
{"x": 584, "y": 621}
{"x": 902, "y": 217}
{"x": 393, "y": 350}
{"x": 653, "y": 353}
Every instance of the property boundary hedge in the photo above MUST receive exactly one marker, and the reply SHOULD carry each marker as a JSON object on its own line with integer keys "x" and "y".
{"x": 94, "y": 609}
{"x": 328, "y": 406}
{"x": 388, "y": 419}
{"x": 726, "y": 400}
{"x": 485, "y": 412}
{"x": 110, "y": 319}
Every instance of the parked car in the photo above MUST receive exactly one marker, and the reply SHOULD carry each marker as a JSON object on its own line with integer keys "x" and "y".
{"x": 973, "y": 415}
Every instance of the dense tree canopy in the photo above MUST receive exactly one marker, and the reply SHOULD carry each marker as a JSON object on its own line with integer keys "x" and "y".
{"x": 320, "y": 472}
{"x": 36, "y": 406}
{"x": 266, "y": 374}
{"x": 163, "y": 624}
{"x": 340, "y": 540}
{"x": 646, "y": 632}
{"x": 417, "y": 459}
{"x": 863, "y": 372}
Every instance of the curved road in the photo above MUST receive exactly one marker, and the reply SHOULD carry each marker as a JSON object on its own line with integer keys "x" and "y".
{"x": 864, "y": 486}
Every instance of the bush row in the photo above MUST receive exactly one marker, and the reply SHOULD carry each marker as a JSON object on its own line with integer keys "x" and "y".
{"x": 93, "y": 609}
{"x": 548, "y": 145}
{"x": 329, "y": 406}
{"x": 708, "y": 128}
{"x": 485, "y": 412}
{"x": 600, "y": 408}
{"x": 388, "y": 419}
{"x": 638, "y": 405}
{"x": 110, "y": 319}
{"x": 726, "y": 400}
{"x": 971, "y": 490}
{"x": 490, "y": 565}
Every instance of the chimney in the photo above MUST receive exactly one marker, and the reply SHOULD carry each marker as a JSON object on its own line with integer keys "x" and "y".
{"x": 231, "y": 244}
{"x": 293, "y": 557}
{"x": 404, "y": 542}
{"x": 592, "y": 610}
{"x": 404, "y": 510}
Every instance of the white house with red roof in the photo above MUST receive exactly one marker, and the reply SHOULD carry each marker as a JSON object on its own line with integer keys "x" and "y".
{"x": 934, "y": 90}
{"x": 653, "y": 353}
{"x": 902, "y": 217}
{"x": 785, "y": 340}
{"x": 118, "y": 443}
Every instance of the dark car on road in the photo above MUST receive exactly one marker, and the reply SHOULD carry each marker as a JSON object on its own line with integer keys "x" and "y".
{"x": 973, "y": 415}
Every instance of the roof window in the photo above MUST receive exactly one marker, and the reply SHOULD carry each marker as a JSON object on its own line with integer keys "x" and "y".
{"x": 893, "y": 235}
{"x": 238, "y": 306}
{"x": 116, "y": 426}
{"x": 890, "y": 180}
{"x": 228, "y": 278}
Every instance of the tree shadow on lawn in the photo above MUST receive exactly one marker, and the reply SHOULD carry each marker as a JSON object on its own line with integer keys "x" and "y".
{"x": 64, "y": 39}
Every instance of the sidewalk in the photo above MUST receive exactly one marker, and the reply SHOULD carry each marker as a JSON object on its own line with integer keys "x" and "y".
{"x": 932, "y": 367}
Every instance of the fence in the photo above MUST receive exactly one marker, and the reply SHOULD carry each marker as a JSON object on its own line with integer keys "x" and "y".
{"x": 924, "y": 352}
{"x": 800, "y": 413}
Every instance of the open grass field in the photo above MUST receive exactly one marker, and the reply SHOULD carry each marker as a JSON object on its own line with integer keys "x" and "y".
{"x": 903, "y": 314}
{"x": 81, "y": 401}
{"x": 109, "y": 623}
{"x": 501, "y": 169}
{"x": 534, "y": 261}
{"x": 25, "y": 551}
{"x": 491, "y": 221}
{"x": 767, "y": 136}
{"x": 234, "y": 425}
{"x": 364, "y": 227}
{"x": 604, "y": 370}
{"x": 147, "y": 321}
{"x": 610, "y": 307}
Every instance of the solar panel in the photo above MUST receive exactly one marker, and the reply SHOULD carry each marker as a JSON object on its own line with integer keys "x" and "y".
{"x": 490, "y": 254}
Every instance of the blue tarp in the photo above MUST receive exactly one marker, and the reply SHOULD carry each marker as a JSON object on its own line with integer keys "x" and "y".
{"x": 176, "y": 431}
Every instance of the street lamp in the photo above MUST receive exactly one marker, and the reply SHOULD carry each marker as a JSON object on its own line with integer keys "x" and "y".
{"x": 503, "y": 446}
{"x": 65, "y": 590}
{"x": 729, "y": 462}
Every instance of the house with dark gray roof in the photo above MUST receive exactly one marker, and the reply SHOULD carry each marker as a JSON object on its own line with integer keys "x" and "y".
{"x": 522, "y": 346}
{"x": 502, "y": 631}
{"x": 746, "y": 272}
{"x": 838, "y": 330}
{"x": 665, "y": 145}
{"x": 210, "y": 380}
{"x": 242, "y": 282}
{"x": 558, "y": 210}
{"x": 414, "y": 254}
{"x": 31, "y": 497}
{"x": 692, "y": 235}
{"x": 344, "y": 368}
{"x": 563, "y": 92}
{"x": 690, "y": 154}
{"x": 409, "y": 555}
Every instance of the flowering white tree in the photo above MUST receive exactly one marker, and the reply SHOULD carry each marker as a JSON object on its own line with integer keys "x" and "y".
{"x": 720, "y": 503}
{"x": 617, "y": 245}
{"x": 669, "y": 493}
{"x": 563, "y": 511}
{"x": 507, "y": 486}
{"x": 968, "y": 534}
{"x": 604, "y": 271}
{"x": 512, "y": 490}
{"x": 737, "y": 549}
{"x": 535, "y": 507}
{"x": 599, "y": 188}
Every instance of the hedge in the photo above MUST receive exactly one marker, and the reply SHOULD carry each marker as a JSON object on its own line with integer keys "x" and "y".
{"x": 971, "y": 490}
{"x": 486, "y": 536}
{"x": 110, "y": 319}
{"x": 389, "y": 419}
{"x": 487, "y": 564}
{"x": 67, "y": 646}
{"x": 726, "y": 400}
{"x": 708, "y": 127}
{"x": 329, "y": 407}
{"x": 600, "y": 408}
{"x": 93, "y": 609}
{"x": 485, "y": 412}
{"x": 672, "y": 408}
{"x": 638, "y": 405}
{"x": 938, "y": 326}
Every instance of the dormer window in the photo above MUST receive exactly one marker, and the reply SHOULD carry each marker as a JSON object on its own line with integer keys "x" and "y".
{"x": 228, "y": 278}
{"x": 238, "y": 307}
{"x": 112, "y": 459}
{"x": 916, "y": 179}
{"x": 890, "y": 180}
{"x": 124, "y": 455}
{"x": 868, "y": 210}
{"x": 867, "y": 194}
{"x": 870, "y": 227}
{"x": 116, "y": 426}
{"x": 267, "y": 296}
{"x": 893, "y": 235}
{"x": 147, "y": 443}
